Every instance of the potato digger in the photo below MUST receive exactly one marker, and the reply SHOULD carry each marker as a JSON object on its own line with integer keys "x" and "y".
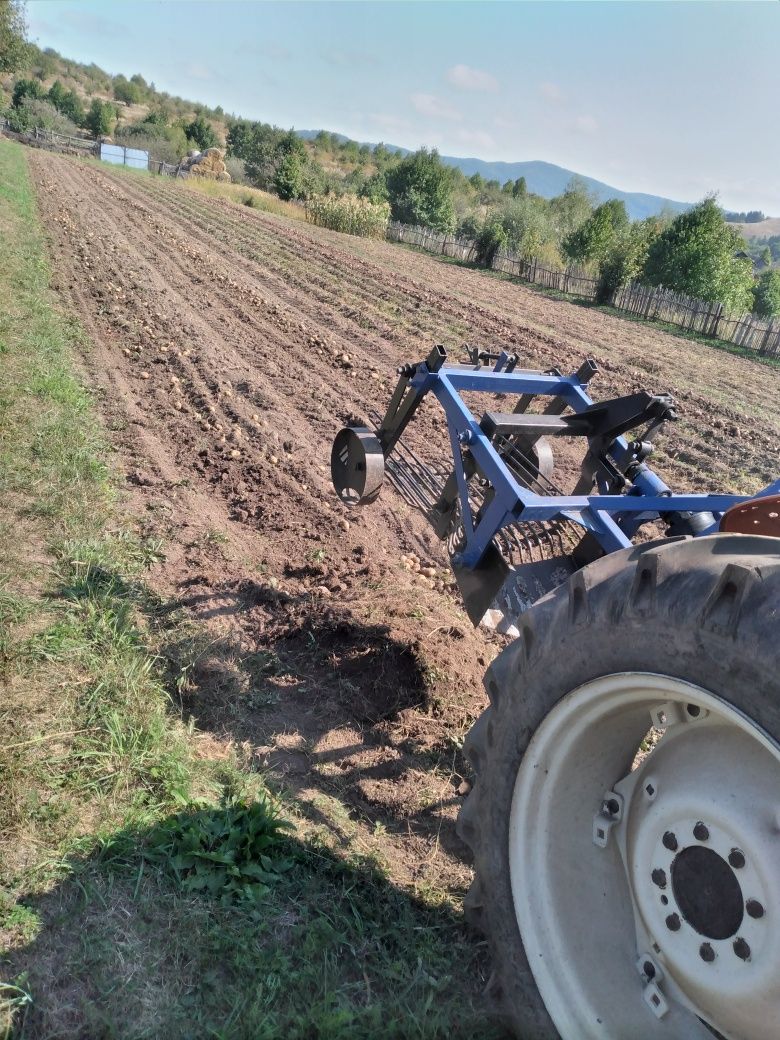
{"x": 625, "y": 815}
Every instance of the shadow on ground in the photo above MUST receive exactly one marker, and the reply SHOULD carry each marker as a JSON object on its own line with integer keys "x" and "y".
{"x": 324, "y": 702}
{"x": 140, "y": 940}
{"x": 331, "y": 712}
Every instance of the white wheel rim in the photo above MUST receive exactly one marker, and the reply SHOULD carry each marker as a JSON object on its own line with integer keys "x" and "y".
{"x": 593, "y": 918}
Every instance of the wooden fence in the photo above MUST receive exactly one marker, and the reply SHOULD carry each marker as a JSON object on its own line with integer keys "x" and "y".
{"x": 572, "y": 280}
{"x": 62, "y": 142}
{"x": 432, "y": 241}
{"x": 80, "y": 145}
{"x": 692, "y": 315}
{"x": 651, "y": 303}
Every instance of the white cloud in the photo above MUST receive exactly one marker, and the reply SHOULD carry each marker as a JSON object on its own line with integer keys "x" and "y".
{"x": 586, "y": 124}
{"x": 430, "y": 105}
{"x": 467, "y": 78}
{"x": 478, "y": 138}
{"x": 551, "y": 91}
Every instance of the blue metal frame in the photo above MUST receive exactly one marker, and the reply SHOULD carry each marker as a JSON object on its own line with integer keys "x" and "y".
{"x": 612, "y": 518}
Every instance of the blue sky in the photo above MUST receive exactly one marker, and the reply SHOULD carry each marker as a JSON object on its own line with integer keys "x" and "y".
{"x": 675, "y": 99}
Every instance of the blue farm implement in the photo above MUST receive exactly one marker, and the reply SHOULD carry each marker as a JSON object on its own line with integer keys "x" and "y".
{"x": 624, "y": 818}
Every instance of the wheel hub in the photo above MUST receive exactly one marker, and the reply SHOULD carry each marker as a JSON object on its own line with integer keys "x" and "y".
{"x": 707, "y": 892}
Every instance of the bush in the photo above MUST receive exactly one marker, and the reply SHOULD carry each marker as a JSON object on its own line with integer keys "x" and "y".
{"x": 349, "y": 214}
{"x": 157, "y": 147}
{"x": 288, "y": 180}
{"x": 201, "y": 133}
{"x": 27, "y": 88}
{"x": 491, "y": 238}
{"x": 529, "y": 229}
{"x": 166, "y": 143}
{"x": 468, "y": 226}
{"x": 101, "y": 118}
{"x": 126, "y": 91}
{"x": 237, "y": 170}
{"x": 766, "y": 295}
{"x": 32, "y": 113}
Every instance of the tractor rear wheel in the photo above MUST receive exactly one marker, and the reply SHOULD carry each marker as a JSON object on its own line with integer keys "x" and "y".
{"x": 625, "y": 818}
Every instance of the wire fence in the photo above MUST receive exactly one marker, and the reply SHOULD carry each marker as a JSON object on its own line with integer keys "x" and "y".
{"x": 652, "y": 303}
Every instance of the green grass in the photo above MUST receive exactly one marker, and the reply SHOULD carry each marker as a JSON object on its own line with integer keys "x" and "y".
{"x": 694, "y": 337}
{"x": 147, "y": 890}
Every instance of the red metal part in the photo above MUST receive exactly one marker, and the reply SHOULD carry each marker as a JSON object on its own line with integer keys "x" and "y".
{"x": 758, "y": 516}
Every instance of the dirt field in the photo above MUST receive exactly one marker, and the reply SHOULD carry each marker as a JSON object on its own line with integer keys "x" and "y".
{"x": 218, "y": 336}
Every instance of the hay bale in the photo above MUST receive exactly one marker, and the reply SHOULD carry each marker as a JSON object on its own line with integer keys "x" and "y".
{"x": 210, "y": 163}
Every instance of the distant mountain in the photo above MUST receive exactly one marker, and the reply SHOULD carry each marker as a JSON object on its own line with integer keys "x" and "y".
{"x": 545, "y": 179}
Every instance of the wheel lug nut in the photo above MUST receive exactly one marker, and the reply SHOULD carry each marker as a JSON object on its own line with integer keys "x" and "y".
{"x": 659, "y": 878}
{"x": 701, "y": 832}
{"x": 612, "y": 806}
{"x": 673, "y": 922}
{"x": 670, "y": 841}
{"x": 741, "y": 949}
{"x": 754, "y": 908}
{"x": 707, "y": 953}
{"x": 737, "y": 859}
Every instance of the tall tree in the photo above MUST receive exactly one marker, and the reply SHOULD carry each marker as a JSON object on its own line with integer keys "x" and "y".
{"x": 14, "y": 50}
{"x": 767, "y": 294}
{"x": 592, "y": 241}
{"x": 695, "y": 254}
{"x": 519, "y": 187}
{"x": 419, "y": 189}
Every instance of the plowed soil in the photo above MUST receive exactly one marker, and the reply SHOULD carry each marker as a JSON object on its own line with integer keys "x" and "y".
{"x": 217, "y": 342}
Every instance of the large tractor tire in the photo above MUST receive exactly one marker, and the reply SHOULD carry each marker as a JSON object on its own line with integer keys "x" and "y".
{"x": 629, "y": 885}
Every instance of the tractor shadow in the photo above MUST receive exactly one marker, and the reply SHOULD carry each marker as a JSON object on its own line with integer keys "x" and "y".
{"x": 314, "y": 699}
{"x": 321, "y": 700}
{"x": 130, "y": 943}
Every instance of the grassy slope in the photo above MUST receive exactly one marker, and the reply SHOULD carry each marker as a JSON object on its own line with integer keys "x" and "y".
{"x": 98, "y": 937}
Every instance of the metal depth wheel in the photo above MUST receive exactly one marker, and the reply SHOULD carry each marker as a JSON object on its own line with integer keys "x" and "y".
{"x": 633, "y": 890}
